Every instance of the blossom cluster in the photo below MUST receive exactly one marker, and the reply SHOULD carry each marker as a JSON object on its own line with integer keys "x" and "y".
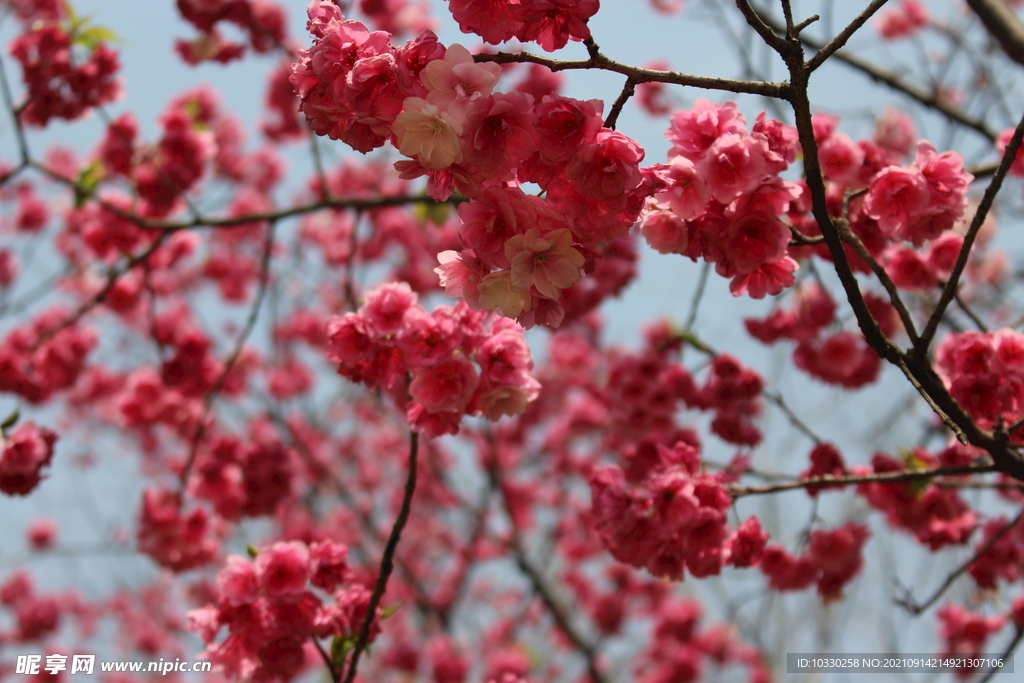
{"x": 59, "y": 83}
{"x": 840, "y": 357}
{"x": 551, "y": 23}
{"x": 723, "y": 198}
{"x": 26, "y": 455}
{"x": 391, "y": 337}
{"x": 832, "y": 559}
{"x": 437, "y": 105}
{"x": 663, "y": 513}
{"x": 272, "y": 606}
{"x": 44, "y": 356}
{"x": 937, "y": 516}
{"x": 984, "y": 372}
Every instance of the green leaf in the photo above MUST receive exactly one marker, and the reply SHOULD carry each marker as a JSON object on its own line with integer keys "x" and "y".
{"x": 340, "y": 647}
{"x": 87, "y": 181}
{"x": 252, "y": 550}
{"x": 436, "y": 213}
{"x": 10, "y": 420}
{"x": 387, "y": 612}
{"x": 91, "y": 37}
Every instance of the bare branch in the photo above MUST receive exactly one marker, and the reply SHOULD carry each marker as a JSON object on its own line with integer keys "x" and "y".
{"x": 641, "y": 75}
{"x": 917, "y": 608}
{"x": 840, "y": 40}
{"x": 1002, "y": 24}
{"x": 849, "y": 480}
{"x": 387, "y": 562}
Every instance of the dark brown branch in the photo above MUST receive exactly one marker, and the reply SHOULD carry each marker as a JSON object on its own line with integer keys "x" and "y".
{"x": 895, "y": 299}
{"x": 1006, "y": 654}
{"x": 387, "y": 562}
{"x": 917, "y": 608}
{"x": 849, "y": 480}
{"x": 1002, "y": 24}
{"x": 897, "y": 83}
{"x": 628, "y": 90}
{"x": 840, "y": 40}
{"x": 641, "y": 75}
{"x": 331, "y": 669}
{"x": 768, "y": 33}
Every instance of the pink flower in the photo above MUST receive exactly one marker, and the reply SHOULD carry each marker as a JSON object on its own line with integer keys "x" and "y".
{"x": 498, "y": 293}
{"x": 237, "y": 582}
{"x": 460, "y": 275}
{"x": 446, "y": 387}
{"x": 896, "y": 197}
{"x": 908, "y": 269}
{"x": 498, "y": 133}
{"x": 553, "y": 23}
{"x": 493, "y": 217}
{"x": 386, "y": 306}
{"x": 841, "y": 158}
{"x": 458, "y": 77}
{"x": 665, "y": 232}
{"x": 687, "y": 194}
{"x": 733, "y": 165}
{"x": 895, "y": 133}
{"x": 903, "y": 20}
{"x": 283, "y": 570}
{"x": 549, "y": 263}
{"x": 428, "y": 134}
{"x": 607, "y": 168}
{"x": 42, "y": 533}
{"x": 27, "y": 452}
{"x": 693, "y": 132}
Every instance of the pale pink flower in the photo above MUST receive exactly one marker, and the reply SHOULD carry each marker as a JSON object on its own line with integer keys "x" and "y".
{"x": 548, "y": 262}
{"x": 895, "y": 132}
{"x": 460, "y": 274}
{"x": 498, "y": 293}
{"x": 429, "y": 134}
{"x": 458, "y": 77}
{"x": 508, "y": 400}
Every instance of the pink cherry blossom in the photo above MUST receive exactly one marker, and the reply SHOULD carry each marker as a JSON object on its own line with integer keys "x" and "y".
{"x": 549, "y": 263}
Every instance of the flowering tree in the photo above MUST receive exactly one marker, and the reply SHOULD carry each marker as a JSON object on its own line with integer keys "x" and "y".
{"x": 353, "y": 463}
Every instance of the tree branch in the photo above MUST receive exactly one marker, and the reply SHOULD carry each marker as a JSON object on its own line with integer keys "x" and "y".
{"x": 840, "y": 40}
{"x": 1002, "y": 24}
{"x": 387, "y": 562}
{"x": 917, "y": 608}
{"x": 641, "y": 75}
{"x": 849, "y": 480}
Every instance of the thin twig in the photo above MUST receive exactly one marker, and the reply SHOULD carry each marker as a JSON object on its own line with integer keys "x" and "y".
{"x": 840, "y": 40}
{"x": 628, "y": 90}
{"x": 917, "y": 608}
{"x": 229, "y": 364}
{"x": 1006, "y": 654}
{"x": 639, "y": 74}
{"x": 849, "y": 480}
{"x": 387, "y": 562}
